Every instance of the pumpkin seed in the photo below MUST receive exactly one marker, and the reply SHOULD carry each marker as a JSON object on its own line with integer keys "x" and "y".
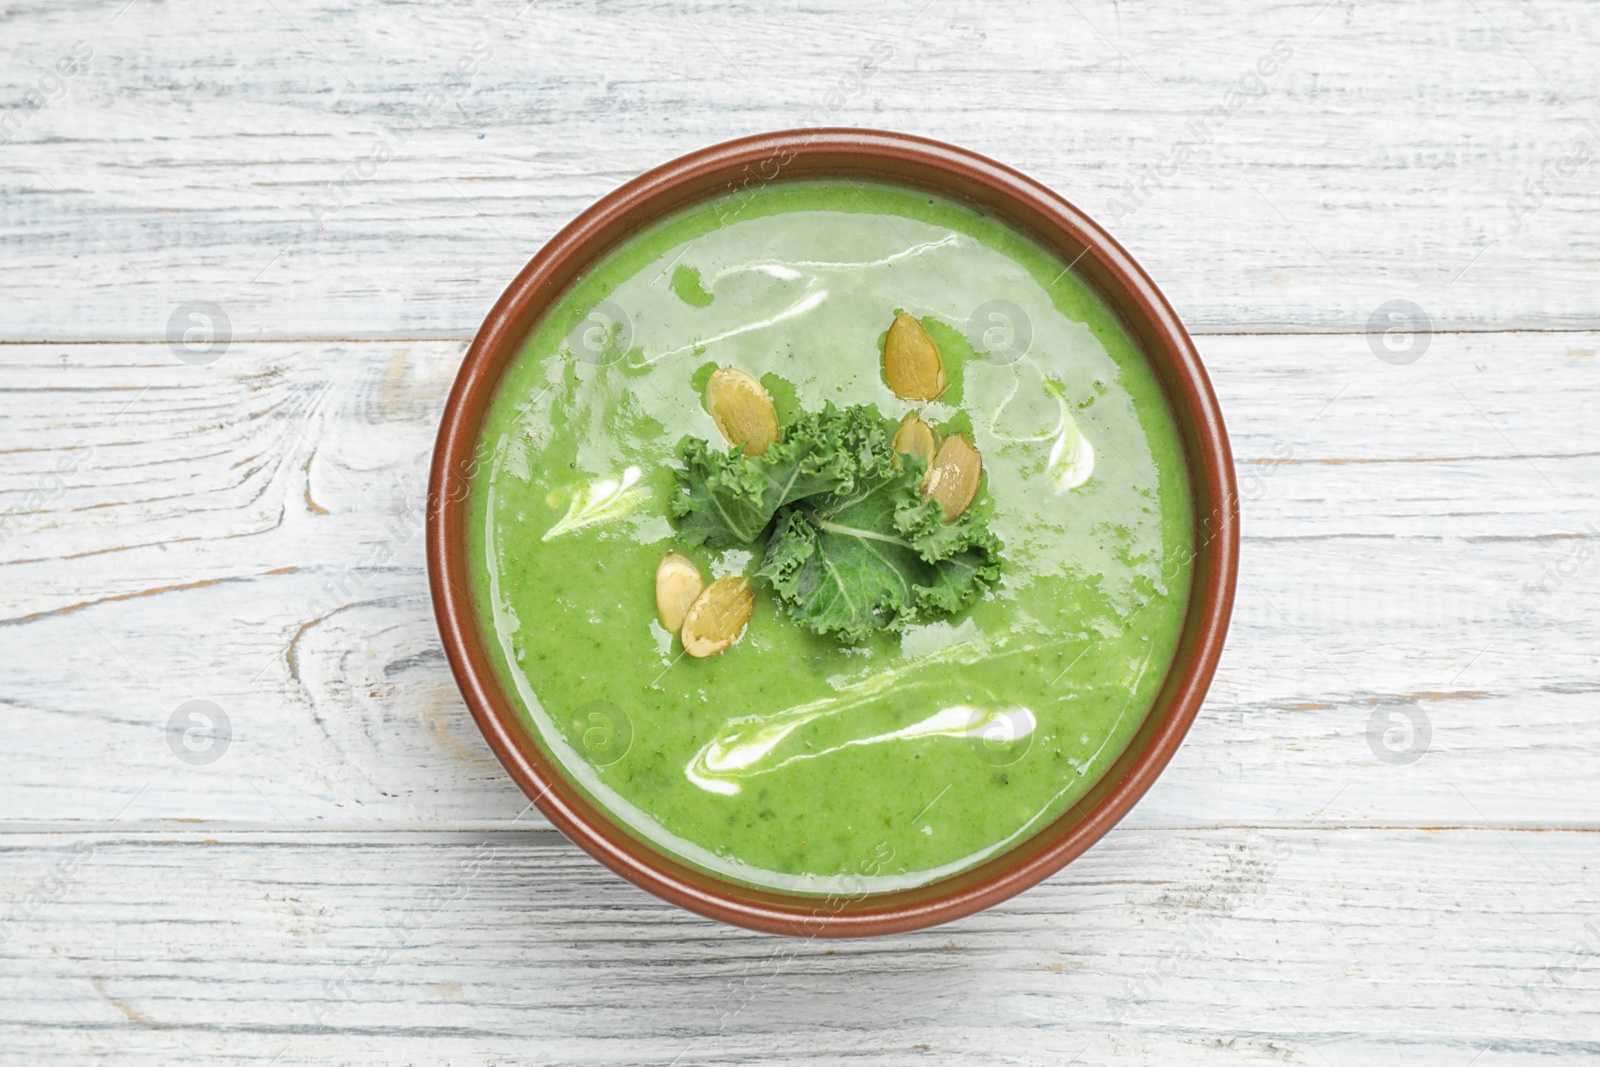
{"x": 742, "y": 410}
{"x": 915, "y": 437}
{"x": 678, "y": 583}
{"x": 953, "y": 478}
{"x": 911, "y": 363}
{"x": 718, "y": 616}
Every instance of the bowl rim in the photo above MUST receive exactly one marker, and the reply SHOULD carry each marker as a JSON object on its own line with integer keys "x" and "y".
{"x": 733, "y": 167}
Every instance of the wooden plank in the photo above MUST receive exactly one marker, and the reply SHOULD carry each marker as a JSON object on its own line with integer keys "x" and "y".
{"x": 1198, "y": 946}
{"x": 1419, "y": 543}
{"x": 354, "y": 880}
{"x": 318, "y": 171}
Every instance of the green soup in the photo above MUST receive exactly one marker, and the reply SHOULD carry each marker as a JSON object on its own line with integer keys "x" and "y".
{"x": 793, "y": 761}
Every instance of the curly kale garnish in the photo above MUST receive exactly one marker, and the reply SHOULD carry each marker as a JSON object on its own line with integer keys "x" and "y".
{"x": 848, "y": 542}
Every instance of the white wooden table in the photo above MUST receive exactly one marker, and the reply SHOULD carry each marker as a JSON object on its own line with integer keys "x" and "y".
{"x": 1380, "y": 842}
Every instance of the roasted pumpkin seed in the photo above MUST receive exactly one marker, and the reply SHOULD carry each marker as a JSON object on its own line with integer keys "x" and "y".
{"x": 742, "y": 410}
{"x": 953, "y": 477}
{"x": 678, "y": 583}
{"x": 911, "y": 363}
{"x": 916, "y": 438}
{"x": 718, "y": 616}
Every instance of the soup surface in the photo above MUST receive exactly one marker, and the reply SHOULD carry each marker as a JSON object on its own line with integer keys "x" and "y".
{"x": 793, "y": 760}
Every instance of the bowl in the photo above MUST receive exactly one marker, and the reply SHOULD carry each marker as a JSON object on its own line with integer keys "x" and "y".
{"x": 956, "y": 173}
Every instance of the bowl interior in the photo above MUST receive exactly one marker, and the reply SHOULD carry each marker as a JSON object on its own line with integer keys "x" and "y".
{"x": 860, "y": 155}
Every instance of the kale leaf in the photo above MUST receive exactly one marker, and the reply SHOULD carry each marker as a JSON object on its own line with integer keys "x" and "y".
{"x": 730, "y": 498}
{"x": 877, "y": 558}
{"x": 851, "y": 548}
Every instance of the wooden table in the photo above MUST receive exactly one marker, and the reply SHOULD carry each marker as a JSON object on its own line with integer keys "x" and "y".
{"x": 1378, "y": 844}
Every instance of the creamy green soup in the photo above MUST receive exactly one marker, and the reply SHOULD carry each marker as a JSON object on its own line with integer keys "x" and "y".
{"x": 791, "y": 760}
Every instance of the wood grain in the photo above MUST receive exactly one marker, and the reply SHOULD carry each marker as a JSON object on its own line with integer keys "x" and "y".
{"x": 1159, "y": 946}
{"x": 1418, "y": 539}
{"x": 353, "y": 879}
{"x": 244, "y": 156}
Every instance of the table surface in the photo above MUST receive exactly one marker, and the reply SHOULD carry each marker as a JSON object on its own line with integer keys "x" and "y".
{"x": 1378, "y": 844}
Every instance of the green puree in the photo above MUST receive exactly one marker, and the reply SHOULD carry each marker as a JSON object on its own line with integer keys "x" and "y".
{"x": 791, "y": 760}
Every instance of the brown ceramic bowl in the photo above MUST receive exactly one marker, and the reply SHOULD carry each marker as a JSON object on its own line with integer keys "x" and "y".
{"x": 956, "y": 173}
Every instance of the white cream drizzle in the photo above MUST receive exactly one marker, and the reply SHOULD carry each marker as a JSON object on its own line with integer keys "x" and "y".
{"x": 595, "y": 502}
{"x": 746, "y": 748}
